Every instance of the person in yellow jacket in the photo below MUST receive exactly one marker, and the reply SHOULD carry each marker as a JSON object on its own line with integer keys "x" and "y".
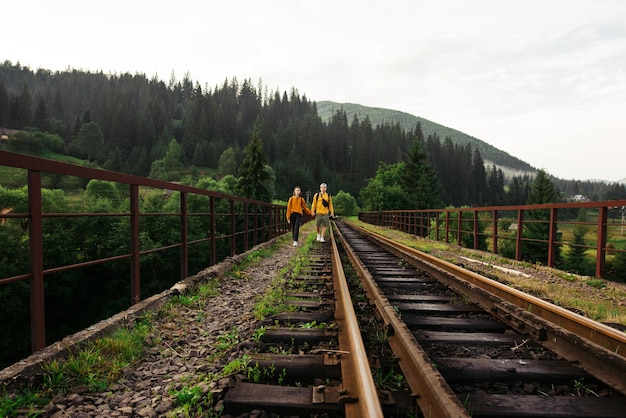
{"x": 296, "y": 207}
{"x": 322, "y": 208}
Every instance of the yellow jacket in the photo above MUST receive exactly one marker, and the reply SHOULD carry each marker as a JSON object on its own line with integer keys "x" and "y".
{"x": 297, "y": 205}
{"x": 318, "y": 206}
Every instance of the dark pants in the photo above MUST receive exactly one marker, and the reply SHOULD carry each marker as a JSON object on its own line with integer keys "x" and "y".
{"x": 296, "y": 220}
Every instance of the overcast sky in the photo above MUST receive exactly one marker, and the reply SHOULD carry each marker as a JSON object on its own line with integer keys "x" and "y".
{"x": 544, "y": 80}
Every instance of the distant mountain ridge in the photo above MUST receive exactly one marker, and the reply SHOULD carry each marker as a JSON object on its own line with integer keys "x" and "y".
{"x": 510, "y": 165}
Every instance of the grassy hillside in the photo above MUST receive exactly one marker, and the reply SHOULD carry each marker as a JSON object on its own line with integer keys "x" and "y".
{"x": 510, "y": 165}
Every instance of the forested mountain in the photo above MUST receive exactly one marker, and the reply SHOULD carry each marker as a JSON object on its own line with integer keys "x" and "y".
{"x": 126, "y": 123}
{"x": 491, "y": 155}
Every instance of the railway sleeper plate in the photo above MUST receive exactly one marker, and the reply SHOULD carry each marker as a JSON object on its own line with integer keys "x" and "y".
{"x": 519, "y": 319}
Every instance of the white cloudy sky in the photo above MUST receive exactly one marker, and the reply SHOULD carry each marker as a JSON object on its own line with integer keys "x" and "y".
{"x": 544, "y": 80}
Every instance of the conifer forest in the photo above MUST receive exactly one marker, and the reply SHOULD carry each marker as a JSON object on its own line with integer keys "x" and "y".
{"x": 213, "y": 137}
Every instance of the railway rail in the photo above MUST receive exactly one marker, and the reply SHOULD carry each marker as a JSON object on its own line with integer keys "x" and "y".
{"x": 469, "y": 346}
{"x": 311, "y": 360}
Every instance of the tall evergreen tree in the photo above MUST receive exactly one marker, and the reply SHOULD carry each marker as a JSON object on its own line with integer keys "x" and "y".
{"x": 575, "y": 258}
{"x": 23, "y": 112}
{"x": 479, "y": 179}
{"x": 537, "y": 231}
{"x": 253, "y": 175}
{"x": 4, "y": 104}
{"x": 495, "y": 186}
{"x": 41, "y": 118}
{"x": 418, "y": 179}
{"x": 542, "y": 190}
{"x": 90, "y": 142}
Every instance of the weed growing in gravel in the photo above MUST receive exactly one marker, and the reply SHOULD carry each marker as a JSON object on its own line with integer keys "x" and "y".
{"x": 238, "y": 271}
{"x": 190, "y": 401}
{"x": 268, "y": 374}
{"x": 97, "y": 363}
{"x": 314, "y": 325}
{"x": 272, "y": 302}
{"x": 597, "y": 283}
{"x": 185, "y": 300}
{"x": 25, "y": 403}
{"x": 209, "y": 289}
{"x": 94, "y": 365}
{"x": 237, "y": 365}
{"x": 227, "y": 341}
{"x": 259, "y": 333}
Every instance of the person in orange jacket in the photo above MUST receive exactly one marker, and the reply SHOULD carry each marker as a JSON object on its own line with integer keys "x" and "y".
{"x": 296, "y": 207}
{"x": 322, "y": 208}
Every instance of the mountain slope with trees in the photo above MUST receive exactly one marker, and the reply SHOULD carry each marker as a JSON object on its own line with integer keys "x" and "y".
{"x": 491, "y": 155}
{"x": 127, "y": 123}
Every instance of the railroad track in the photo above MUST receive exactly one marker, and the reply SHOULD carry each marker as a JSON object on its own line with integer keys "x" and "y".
{"x": 310, "y": 360}
{"x": 468, "y": 346}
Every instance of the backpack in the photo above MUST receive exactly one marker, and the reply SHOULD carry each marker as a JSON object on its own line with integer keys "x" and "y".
{"x": 325, "y": 203}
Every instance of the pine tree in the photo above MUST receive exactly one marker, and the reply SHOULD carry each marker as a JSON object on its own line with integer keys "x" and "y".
{"x": 22, "y": 112}
{"x": 418, "y": 179}
{"x": 537, "y": 229}
{"x": 90, "y": 142}
{"x": 576, "y": 256}
{"x": 4, "y": 104}
{"x": 41, "y": 118}
{"x": 479, "y": 179}
{"x": 252, "y": 176}
{"x": 542, "y": 190}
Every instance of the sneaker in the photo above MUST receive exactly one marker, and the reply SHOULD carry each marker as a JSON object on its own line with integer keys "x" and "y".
{"x": 322, "y": 239}
{"x": 295, "y": 243}
{"x": 319, "y": 238}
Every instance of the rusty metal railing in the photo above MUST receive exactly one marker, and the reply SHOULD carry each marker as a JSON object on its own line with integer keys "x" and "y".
{"x": 248, "y": 221}
{"x": 506, "y": 225}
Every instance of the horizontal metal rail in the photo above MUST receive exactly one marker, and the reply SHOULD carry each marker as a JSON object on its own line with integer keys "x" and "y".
{"x": 509, "y": 223}
{"x": 263, "y": 222}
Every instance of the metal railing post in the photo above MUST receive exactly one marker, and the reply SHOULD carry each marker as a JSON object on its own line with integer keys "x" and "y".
{"x": 233, "y": 246}
{"x": 601, "y": 245}
{"x": 518, "y": 236}
{"x": 552, "y": 235}
{"x": 184, "y": 236}
{"x": 459, "y": 229}
{"x": 135, "y": 275}
{"x": 213, "y": 230}
{"x": 35, "y": 242}
{"x": 475, "y": 216}
{"x": 246, "y": 223}
{"x": 494, "y": 232}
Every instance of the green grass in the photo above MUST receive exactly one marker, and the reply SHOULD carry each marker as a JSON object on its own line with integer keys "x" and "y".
{"x": 95, "y": 365}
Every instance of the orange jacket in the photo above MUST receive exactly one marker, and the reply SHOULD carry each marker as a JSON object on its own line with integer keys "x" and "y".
{"x": 319, "y": 208}
{"x": 297, "y": 205}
